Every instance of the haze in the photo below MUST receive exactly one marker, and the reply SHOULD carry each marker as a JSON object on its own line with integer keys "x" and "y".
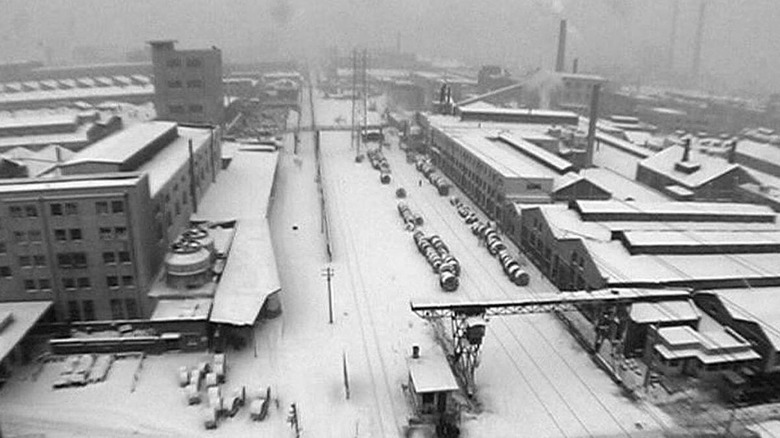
{"x": 624, "y": 39}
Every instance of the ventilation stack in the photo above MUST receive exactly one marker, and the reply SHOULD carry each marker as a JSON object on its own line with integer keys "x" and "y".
{"x": 561, "y": 60}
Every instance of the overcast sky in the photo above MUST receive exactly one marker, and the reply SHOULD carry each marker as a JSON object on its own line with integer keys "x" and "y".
{"x": 740, "y": 50}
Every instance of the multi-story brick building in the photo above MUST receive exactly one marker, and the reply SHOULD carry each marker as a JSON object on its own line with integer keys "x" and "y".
{"x": 92, "y": 235}
{"x": 188, "y": 84}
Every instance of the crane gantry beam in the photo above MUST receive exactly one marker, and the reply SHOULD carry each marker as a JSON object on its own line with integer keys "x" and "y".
{"x": 546, "y": 303}
{"x": 469, "y": 319}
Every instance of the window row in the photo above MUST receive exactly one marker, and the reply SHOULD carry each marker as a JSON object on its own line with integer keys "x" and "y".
{"x": 41, "y": 285}
{"x": 102, "y": 207}
{"x": 28, "y": 261}
{"x": 108, "y": 233}
{"x": 191, "y": 62}
{"x": 69, "y": 260}
{"x": 65, "y": 209}
{"x": 111, "y": 258}
{"x": 20, "y": 211}
{"x": 193, "y": 83}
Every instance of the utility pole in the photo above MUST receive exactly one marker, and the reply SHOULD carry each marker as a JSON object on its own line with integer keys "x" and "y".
{"x": 292, "y": 418}
{"x": 365, "y": 93}
{"x": 355, "y": 137}
{"x": 328, "y": 273}
{"x": 346, "y": 373}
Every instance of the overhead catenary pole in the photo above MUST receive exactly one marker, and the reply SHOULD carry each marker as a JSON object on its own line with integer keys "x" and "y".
{"x": 328, "y": 273}
{"x": 354, "y": 99}
{"x": 365, "y": 92}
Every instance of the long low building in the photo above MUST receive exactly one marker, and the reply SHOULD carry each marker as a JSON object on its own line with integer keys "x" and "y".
{"x": 598, "y": 244}
{"x": 754, "y": 313}
{"x": 496, "y": 166}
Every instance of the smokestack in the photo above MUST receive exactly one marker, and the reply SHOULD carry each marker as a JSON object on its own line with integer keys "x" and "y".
{"x": 594, "y": 116}
{"x": 561, "y": 61}
{"x": 574, "y": 65}
{"x": 687, "y": 149}
{"x": 415, "y": 351}
{"x": 697, "y": 41}
{"x": 673, "y": 35}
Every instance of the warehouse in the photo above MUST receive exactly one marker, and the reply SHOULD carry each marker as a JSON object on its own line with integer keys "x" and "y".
{"x": 496, "y": 167}
{"x": 753, "y": 313}
{"x": 598, "y": 244}
{"x": 688, "y": 175}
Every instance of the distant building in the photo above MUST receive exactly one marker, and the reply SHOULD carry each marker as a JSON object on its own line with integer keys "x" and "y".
{"x": 493, "y": 77}
{"x": 496, "y": 167}
{"x": 188, "y": 84}
{"x": 574, "y": 93}
{"x": 92, "y": 238}
{"x": 686, "y": 174}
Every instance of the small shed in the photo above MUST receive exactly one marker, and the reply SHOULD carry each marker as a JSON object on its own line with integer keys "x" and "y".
{"x": 430, "y": 382}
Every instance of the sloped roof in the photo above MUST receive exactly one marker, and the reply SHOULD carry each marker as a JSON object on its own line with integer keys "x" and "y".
{"x": 250, "y": 275}
{"x": 710, "y": 167}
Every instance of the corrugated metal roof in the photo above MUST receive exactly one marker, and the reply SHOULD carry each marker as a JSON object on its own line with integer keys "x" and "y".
{"x": 250, "y": 275}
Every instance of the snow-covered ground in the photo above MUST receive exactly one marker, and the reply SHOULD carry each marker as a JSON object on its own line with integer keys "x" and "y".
{"x": 534, "y": 379}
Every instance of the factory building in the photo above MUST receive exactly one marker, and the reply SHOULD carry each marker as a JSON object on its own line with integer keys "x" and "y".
{"x": 685, "y": 174}
{"x": 496, "y": 169}
{"x": 91, "y": 235}
{"x": 188, "y": 84}
{"x": 751, "y": 312}
{"x": 70, "y": 130}
{"x": 598, "y": 244}
{"x": 48, "y": 93}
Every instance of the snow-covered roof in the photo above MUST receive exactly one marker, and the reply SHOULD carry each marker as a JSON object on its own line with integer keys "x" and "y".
{"x": 16, "y": 319}
{"x": 540, "y": 155}
{"x": 710, "y": 168}
{"x": 683, "y": 342}
{"x": 122, "y": 146}
{"x": 431, "y": 373}
{"x": 39, "y": 184}
{"x": 182, "y": 309}
{"x": 250, "y": 275}
{"x": 114, "y": 92}
{"x": 760, "y": 305}
{"x": 498, "y": 157}
{"x": 621, "y": 187}
{"x": 667, "y": 311}
{"x": 167, "y": 161}
{"x": 243, "y": 190}
{"x": 673, "y": 211}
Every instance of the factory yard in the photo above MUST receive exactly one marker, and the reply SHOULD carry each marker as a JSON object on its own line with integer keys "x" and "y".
{"x": 533, "y": 376}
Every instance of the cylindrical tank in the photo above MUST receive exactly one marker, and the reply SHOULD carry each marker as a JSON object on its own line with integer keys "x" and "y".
{"x": 187, "y": 265}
